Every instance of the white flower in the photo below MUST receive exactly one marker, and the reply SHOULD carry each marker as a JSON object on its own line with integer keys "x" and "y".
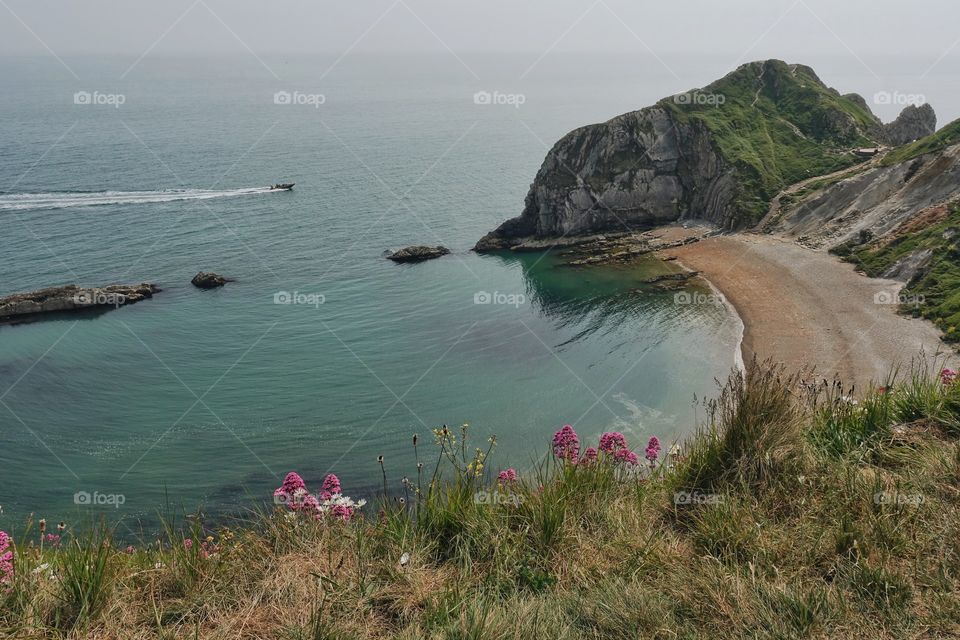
{"x": 404, "y": 559}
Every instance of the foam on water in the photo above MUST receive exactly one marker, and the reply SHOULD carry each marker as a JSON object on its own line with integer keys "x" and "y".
{"x": 63, "y": 200}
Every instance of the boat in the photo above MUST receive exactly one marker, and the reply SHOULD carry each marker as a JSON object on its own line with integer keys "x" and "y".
{"x": 283, "y": 186}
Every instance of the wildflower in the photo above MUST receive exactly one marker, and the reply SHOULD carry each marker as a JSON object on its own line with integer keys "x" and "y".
{"x": 43, "y": 525}
{"x": 404, "y": 559}
{"x": 627, "y": 456}
{"x": 566, "y": 444}
{"x": 61, "y": 526}
{"x": 129, "y": 550}
{"x": 947, "y": 377}
{"x": 187, "y": 543}
{"x": 6, "y": 557}
{"x": 611, "y": 442}
{"x": 53, "y": 539}
{"x": 653, "y": 449}
{"x": 330, "y": 486}
{"x": 507, "y": 476}
{"x": 292, "y": 490}
{"x": 590, "y": 455}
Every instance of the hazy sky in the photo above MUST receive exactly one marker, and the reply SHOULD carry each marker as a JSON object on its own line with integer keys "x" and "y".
{"x": 759, "y": 28}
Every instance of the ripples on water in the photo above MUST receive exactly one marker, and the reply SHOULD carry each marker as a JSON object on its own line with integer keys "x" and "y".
{"x": 109, "y": 402}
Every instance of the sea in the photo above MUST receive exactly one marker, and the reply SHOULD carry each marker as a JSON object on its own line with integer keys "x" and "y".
{"x": 320, "y": 356}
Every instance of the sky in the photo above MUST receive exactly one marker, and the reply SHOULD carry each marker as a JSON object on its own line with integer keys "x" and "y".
{"x": 858, "y": 45}
{"x": 787, "y": 27}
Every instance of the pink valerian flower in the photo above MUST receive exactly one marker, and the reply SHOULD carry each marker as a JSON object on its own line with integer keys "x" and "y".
{"x": 53, "y": 539}
{"x": 6, "y": 557}
{"x": 653, "y": 449}
{"x": 291, "y": 492}
{"x": 188, "y": 544}
{"x": 590, "y": 455}
{"x": 129, "y": 549}
{"x": 507, "y": 476}
{"x": 611, "y": 442}
{"x": 627, "y": 456}
{"x": 330, "y": 486}
{"x": 566, "y": 444}
{"x": 947, "y": 377}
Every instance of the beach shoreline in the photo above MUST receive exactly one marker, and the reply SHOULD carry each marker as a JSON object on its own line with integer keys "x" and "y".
{"x": 805, "y": 308}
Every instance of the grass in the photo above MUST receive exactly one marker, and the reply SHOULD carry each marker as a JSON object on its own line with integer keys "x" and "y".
{"x": 935, "y": 293}
{"x": 795, "y": 510}
{"x": 778, "y": 125}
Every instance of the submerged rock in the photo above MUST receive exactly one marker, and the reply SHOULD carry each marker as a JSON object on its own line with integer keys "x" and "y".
{"x": 208, "y": 280}
{"x": 72, "y": 298}
{"x": 418, "y": 253}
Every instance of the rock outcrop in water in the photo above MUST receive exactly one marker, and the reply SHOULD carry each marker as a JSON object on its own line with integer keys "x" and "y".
{"x": 72, "y": 298}
{"x": 418, "y": 253}
{"x": 717, "y": 154}
{"x": 208, "y": 280}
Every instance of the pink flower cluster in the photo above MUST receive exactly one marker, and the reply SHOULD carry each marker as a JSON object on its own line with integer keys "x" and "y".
{"x": 653, "y": 449}
{"x": 566, "y": 444}
{"x": 612, "y": 442}
{"x": 330, "y": 501}
{"x": 508, "y": 476}
{"x": 6, "y": 557}
{"x": 947, "y": 377}
{"x": 613, "y": 445}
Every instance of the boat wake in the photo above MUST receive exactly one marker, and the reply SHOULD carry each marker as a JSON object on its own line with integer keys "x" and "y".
{"x": 63, "y": 200}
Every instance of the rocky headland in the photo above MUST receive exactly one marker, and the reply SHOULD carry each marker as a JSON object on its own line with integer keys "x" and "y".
{"x": 718, "y": 154}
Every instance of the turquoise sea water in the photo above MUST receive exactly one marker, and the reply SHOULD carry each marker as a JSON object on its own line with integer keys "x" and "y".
{"x": 205, "y": 398}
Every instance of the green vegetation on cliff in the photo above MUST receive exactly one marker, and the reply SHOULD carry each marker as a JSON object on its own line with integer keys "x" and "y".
{"x": 938, "y": 141}
{"x": 934, "y": 291}
{"x": 777, "y": 124}
{"x": 795, "y": 512}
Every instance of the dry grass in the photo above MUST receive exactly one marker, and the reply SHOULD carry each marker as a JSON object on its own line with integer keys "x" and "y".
{"x": 804, "y": 515}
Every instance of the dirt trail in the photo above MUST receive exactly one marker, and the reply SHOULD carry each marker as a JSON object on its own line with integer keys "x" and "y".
{"x": 806, "y": 308}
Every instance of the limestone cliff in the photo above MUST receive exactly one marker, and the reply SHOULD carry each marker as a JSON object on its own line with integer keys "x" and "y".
{"x": 717, "y": 154}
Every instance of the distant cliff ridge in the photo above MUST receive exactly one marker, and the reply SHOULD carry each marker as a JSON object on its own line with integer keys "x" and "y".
{"x": 719, "y": 154}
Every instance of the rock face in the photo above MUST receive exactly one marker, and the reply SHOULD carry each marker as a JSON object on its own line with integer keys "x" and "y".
{"x": 875, "y": 202}
{"x": 72, "y": 298}
{"x": 208, "y": 280}
{"x": 912, "y": 124}
{"x": 657, "y": 171}
{"x": 418, "y": 253}
{"x": 717, "y": 154}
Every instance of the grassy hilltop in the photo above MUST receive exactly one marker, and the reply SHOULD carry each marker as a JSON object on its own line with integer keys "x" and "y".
{"x": 795, "y": 512}
{"x": 777, "y": 124}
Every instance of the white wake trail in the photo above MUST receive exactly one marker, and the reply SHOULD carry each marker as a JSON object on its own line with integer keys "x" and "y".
{"x": 28, "y": 201}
